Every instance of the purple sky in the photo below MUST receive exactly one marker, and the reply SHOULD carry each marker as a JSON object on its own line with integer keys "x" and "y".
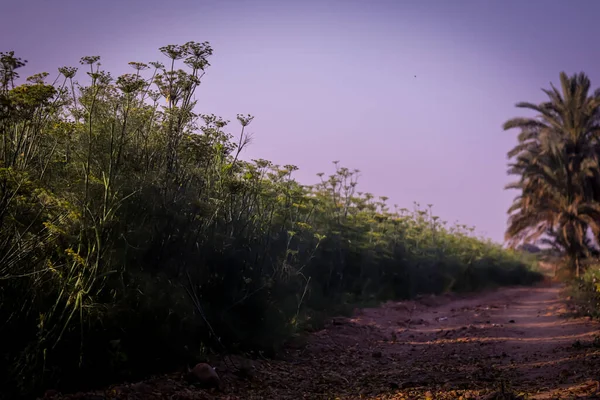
{"x": 334, "y": 80}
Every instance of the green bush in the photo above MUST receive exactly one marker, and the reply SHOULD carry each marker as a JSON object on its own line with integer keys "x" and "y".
{"x": 133, "y": 238}
{"x": 584, "y": 292}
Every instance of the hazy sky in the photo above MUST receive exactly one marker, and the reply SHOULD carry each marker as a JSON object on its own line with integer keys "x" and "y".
{"x": 334, "y": 80}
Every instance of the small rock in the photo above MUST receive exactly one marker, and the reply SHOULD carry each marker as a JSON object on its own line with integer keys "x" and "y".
{"x": 512, "y": 321}
{"x": 204, "y": 375}
{"x": 376, "y": 354}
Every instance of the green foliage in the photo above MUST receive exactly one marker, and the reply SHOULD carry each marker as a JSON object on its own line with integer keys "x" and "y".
{"x": 584, "y": 292}
{"x": 133, "y": 238}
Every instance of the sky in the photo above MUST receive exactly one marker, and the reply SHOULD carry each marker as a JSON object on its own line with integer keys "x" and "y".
{"x": 335, "y": 80}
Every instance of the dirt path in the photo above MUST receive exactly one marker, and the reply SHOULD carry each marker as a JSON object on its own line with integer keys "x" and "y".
{"x": 442, "y": 347}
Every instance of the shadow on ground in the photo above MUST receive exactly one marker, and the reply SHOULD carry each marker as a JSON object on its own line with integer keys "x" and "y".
{"x": 438, "y": 347}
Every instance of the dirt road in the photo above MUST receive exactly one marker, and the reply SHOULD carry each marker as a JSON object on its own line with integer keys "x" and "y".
{"x": 438, "y": 347}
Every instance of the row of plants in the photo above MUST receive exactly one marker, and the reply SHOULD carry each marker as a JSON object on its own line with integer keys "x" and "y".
{"x": 134, "y": 238}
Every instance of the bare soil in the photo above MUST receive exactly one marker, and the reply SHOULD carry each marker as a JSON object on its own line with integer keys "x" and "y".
{"x": 511, "y": 340}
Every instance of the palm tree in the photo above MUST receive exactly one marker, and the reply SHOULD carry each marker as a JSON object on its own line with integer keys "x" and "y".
{"x": 557, "y": 161}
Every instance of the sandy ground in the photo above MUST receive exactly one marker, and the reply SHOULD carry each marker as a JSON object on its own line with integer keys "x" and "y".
{"x": 436, "y": 347}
